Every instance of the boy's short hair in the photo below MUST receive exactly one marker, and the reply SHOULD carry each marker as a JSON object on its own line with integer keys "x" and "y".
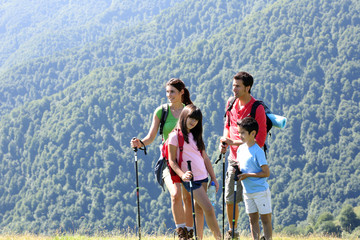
{"x": 249, "y": 124}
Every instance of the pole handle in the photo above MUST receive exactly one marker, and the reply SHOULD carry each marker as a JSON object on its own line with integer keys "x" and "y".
{"x": 237, "y": 172}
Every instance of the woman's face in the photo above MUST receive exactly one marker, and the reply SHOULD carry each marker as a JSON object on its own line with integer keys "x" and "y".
{"x": 173, "y": 94}
{"x": 191, "y": 123}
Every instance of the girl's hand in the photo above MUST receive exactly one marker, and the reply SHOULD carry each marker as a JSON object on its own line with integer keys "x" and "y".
{"x": 187, "y": 176}
{"x": 216, "y": 184}
{"x": 135, "y": 143}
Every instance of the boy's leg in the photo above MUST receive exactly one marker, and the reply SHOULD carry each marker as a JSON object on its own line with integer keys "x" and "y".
{"x": 267, "y": 226}
{"x": 254, "y": 225}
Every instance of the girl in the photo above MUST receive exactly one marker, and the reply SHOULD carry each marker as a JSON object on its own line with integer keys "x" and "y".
{"x": 190, "y": 124}
{"x": 178, "y": 96}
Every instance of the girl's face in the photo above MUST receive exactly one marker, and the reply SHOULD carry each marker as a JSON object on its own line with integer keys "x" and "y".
{"x": 173, "y": 94}
{"x": 191, "y": 123}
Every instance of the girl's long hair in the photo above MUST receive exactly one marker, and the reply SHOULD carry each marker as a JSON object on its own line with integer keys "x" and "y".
{"x": 191, "y": 111}
{"x": 180, "y": 85}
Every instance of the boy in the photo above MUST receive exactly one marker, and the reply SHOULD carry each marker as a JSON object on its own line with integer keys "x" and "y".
{"x": 255, "y": 171}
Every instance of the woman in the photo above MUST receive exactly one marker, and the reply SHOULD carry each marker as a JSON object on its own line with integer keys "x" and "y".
{"x": 178, "y": 96}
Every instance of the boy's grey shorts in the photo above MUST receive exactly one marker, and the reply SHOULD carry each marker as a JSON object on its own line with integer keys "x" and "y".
{"x": 229, "y": 187}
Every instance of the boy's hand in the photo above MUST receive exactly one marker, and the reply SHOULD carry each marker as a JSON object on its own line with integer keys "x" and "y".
{"x": 242, "y": 176}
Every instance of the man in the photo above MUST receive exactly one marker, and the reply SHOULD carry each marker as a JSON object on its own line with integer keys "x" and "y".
{"x": 242, "y": 83}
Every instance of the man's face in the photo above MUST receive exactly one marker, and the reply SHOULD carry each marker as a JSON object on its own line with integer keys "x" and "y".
{"x": 239, "y": 89}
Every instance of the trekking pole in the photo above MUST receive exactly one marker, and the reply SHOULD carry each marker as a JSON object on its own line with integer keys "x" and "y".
{"x": 236, "y": 178}
{"x": 223, "y": 191}
{"x": 192, "y": 198}
{"x": 137, "y": 185}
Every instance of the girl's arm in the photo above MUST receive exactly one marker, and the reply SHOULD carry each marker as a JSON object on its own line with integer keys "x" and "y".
{"x": 264, "y": 173}
{"x": 175, "y": 166}
{"x": 150, "y": 136}
{"x": 210, "y": 169}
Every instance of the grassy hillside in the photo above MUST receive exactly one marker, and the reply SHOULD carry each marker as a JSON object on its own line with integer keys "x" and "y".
{"x": 65, "y": 159}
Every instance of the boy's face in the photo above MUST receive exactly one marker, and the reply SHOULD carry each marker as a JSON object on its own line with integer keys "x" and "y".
{"x": 245, "y": 136}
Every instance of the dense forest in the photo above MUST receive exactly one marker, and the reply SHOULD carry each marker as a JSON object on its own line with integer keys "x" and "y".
{"x": 73, "y": 93}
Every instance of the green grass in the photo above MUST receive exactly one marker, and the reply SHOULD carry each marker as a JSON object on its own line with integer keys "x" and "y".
{"x": 146, "y": 237}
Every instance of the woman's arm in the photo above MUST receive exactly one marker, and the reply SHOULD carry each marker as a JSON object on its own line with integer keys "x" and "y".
{"x": 150, "y": 136}
{"x": 210, "y": 169}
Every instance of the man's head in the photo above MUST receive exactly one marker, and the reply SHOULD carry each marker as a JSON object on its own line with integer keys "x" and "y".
{"x": 245, "y": 79}
{"x": 248, "y": 129}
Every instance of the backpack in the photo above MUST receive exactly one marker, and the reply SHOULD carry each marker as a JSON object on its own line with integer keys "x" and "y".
{"x": 163, "y": 159}
{"x": 252, "y": 114}
{"x": 165, "y": 154}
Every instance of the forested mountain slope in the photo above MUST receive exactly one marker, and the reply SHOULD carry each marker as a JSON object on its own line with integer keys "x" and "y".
{"x": 187, "y": 22}
{"x": 30, "y": 29}
{"x": 65, "y": 159}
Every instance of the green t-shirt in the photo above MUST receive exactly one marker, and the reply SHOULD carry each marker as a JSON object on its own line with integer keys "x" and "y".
{"x": 170, "y": 121}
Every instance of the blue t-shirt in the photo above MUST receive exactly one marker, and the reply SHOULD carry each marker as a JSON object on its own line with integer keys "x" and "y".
{"x": 250, "y": 161}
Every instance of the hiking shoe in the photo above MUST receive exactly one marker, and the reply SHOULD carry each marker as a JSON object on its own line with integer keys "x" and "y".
{"x": 263, "y": 238}
{"x": 228, "y": 235}
{"x": 190, "y": 234}
{"x": 182, "y": 233}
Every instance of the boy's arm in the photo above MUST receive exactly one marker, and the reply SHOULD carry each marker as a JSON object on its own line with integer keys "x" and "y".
{"x": 265, "y": 172}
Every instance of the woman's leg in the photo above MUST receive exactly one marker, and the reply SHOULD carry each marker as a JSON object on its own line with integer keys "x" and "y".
{"x": 202, "y": 199}
{"x": 176, "y": 200}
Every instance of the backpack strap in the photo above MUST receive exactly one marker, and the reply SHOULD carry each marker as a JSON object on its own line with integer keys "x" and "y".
{"x": 164, "y": 114}
{"x": 181, "y": 145}
{"x": 254, "y": 107}
{"x": 231, "y": 104}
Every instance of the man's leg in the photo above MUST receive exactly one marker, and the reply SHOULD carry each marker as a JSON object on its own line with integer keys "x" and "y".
{"x": 229, "y": 211}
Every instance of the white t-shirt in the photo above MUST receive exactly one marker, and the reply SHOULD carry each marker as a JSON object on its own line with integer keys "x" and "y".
{"x": 190, "y": 152}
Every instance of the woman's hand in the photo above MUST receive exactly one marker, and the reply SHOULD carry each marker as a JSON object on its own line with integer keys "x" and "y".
{"x": 135, "y": 143}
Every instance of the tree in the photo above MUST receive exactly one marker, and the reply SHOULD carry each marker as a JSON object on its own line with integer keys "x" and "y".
{"x": 348, "y": 219}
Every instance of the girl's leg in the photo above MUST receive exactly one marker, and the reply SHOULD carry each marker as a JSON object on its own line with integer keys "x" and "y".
{"x": 199, "y": 218}
{"x": 176, "y": 200}
{"x": 187, "y": 207}
{"x": 202, "y": 199}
